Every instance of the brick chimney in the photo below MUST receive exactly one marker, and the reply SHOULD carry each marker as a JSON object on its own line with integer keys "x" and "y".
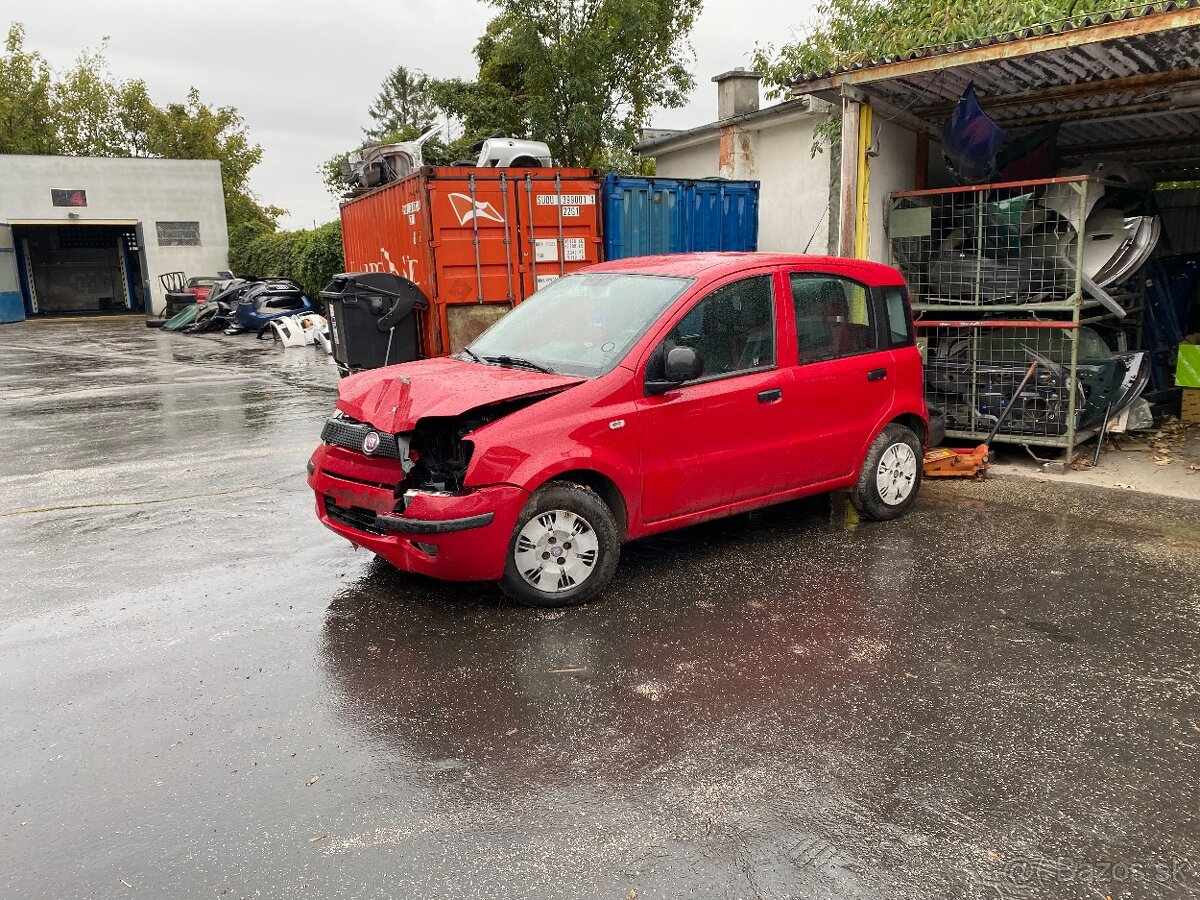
{"x": 737, "y": 92}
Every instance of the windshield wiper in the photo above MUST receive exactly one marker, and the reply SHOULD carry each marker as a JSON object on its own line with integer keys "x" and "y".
{"x": 518, "y": 362}
{"x": 471, "y": 353}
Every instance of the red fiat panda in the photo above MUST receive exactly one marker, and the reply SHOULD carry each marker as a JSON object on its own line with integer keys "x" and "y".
{"x": 634, "y": 397}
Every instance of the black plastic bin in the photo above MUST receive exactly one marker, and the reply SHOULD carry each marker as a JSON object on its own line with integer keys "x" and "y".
{"x": 372, "y": 319}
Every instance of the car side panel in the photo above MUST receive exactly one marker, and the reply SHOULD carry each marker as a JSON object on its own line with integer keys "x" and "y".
{"x": 709, "y": 444}
{"x": 840, "y": 408}
{"x": 910, "y": 381}
{"x": 593, "y": 427}
{"x": 724, "y": 440}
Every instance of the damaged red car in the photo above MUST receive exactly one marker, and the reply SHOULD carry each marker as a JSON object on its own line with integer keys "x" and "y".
{"x": 634, "y": 397}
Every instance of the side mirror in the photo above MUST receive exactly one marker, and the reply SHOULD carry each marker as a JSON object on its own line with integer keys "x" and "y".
{"x": 682, "y": 364}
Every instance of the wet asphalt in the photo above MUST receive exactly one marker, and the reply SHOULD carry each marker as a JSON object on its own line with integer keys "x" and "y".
{"x": 205, "y": 694}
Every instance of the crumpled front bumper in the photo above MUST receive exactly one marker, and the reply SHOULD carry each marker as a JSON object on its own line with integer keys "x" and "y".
{"x": 456, "y": 537}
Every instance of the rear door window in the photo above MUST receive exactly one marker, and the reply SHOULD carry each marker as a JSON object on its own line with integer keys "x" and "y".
{"x": 899, "y": 325}
{"x": 833, "y": 317}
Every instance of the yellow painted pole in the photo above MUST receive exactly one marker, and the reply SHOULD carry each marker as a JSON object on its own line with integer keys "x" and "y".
{"x": 864, "y": 183}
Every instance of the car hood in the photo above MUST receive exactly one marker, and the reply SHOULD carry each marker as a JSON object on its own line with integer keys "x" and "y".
{"x": 393, "y": 398}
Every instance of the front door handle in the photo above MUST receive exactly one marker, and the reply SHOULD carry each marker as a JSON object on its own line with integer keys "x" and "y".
{"x": 770, "y": 396}
{"x": 877, "y": 375}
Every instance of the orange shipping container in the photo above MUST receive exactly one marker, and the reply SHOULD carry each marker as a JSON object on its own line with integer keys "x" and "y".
{"x": 476, "y": 241}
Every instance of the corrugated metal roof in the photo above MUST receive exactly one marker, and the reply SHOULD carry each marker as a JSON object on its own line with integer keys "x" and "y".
{"x": 1126, "y": 84}
{"x": 1059, "y": 27}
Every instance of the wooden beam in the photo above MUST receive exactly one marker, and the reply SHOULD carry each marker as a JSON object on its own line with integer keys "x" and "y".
{"x": 1101, "y": 114}
{"x": 1077, "y": 91}
{"x": 1098, "y": 148}
{"x": 890, "y": 112}
{"x": 847, "y": 203}
{"x": 921, "y": 163}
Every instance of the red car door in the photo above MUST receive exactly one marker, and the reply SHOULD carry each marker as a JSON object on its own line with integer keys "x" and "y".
{"x": 726, "y": 436}
{"x": 845, "y": 378}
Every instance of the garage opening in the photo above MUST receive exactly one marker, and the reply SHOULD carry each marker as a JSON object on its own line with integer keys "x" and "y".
{"x": 80, "y": 268}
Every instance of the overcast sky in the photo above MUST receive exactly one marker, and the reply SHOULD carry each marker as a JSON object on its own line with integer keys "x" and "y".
{"x": 303, "y": 73}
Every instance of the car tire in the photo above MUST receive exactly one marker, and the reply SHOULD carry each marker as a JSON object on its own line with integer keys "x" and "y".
{"x": 542, "y": 547}
{"x": 891, "y": 475}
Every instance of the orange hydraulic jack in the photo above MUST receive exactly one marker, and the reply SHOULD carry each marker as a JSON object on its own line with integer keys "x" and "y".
{"x": 945, "y": 462}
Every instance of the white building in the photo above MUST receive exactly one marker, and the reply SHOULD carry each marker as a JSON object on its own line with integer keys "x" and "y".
{"x": 774, "y": 146}
{"x": 84, "y": 234}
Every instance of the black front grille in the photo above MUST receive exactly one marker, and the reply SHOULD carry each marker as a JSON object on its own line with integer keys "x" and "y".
{"x": 349, "y": 434}
{"x": 352, "y": 516}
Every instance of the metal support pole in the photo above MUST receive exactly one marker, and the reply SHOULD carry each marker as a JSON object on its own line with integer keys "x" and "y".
{"x": 1072, "y": 379}
{"x": 508, "y": 260}
{"x": 532, "y": 242}
{"x": 475, "y": 238}
{"x": 562, "y": 247}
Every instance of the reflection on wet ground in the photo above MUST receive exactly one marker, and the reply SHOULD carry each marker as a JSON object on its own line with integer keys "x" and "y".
{"x": 209, "y": 695}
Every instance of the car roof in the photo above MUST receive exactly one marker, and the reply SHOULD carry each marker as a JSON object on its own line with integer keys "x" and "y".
{"x": 715, "y": 265}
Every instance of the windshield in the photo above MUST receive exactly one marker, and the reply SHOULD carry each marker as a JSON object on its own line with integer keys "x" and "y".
{"x": 579, "y": 325}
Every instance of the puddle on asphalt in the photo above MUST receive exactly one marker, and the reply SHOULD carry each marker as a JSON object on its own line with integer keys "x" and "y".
{"x": 716, "y": 621}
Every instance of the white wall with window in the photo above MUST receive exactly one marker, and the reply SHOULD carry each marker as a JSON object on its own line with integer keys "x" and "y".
{"x": 93, "y": 235}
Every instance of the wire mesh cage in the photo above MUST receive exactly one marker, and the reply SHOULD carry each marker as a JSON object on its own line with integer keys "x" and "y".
{"x": 1023, "y": 291}
{"x": 1050, "y": 244}
{"x": 1047, "y": 383}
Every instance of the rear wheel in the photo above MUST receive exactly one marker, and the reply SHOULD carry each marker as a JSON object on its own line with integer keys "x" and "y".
{"x": 564, "y": 548}
{"x": 891, "y": 475}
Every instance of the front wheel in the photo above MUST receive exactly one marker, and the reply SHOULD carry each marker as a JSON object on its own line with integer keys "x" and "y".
{"x": 564, "y": 548}
{"x": 891, "y": 475}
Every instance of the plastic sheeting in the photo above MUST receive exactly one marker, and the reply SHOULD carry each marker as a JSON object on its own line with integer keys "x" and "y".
{"x": 971, "y": 140}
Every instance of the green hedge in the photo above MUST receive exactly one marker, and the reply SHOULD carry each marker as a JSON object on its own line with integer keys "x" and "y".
{"x": 309, "y": 257}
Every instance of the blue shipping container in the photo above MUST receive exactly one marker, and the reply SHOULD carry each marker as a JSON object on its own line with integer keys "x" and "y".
{"x": 645, "y": 216}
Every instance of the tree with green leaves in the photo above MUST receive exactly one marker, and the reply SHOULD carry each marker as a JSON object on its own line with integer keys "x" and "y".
{"x": 85, "y": 111}
{"x": 848, "y": 32}
{"x": 581, "y": 75}
{"x": 27, "y": 99}
{"x": 404, "y": 103}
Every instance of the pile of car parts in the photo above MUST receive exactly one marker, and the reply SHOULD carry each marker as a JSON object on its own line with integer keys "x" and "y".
{"x": 302, "y": 331}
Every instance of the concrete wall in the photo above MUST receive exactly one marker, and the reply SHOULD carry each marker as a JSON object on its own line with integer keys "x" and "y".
{"x": 145, "y": 190}
{"x": 700, "y": 160}
{"x": 794, "y": 200}
{"x": 11, "y": 307}
{"x": 892, "y": 170}
{"x": 777, "y": 151}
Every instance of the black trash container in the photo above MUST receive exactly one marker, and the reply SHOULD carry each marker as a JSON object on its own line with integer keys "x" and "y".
{"x": 372, "y": 319}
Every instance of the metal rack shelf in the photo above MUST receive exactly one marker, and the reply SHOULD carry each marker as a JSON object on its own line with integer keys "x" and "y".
{"x": 1010, "y": 257}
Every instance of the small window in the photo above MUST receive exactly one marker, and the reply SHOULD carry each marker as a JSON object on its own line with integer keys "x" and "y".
{"x": 68, "y": 197}
{"x": 178, "y": 234}
{"x": 833, "y": 317}
{"x": 899, "y": 326}
{"x": 732, "y": 329}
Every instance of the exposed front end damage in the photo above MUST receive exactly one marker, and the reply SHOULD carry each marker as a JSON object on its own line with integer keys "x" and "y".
{"x": 440, "y": 450}
{"x": 404, "y": 496}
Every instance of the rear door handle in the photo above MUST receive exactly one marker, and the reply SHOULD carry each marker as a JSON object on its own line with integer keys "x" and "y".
{"x": 770, "y": 396}
{"x": 877, "y": 375}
